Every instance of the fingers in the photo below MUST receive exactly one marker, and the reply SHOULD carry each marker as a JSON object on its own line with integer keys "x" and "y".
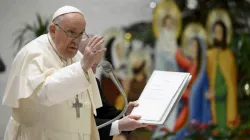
{"x": 135, "y": 103}
{"x": 136, "y": 117}
{"x": 131, "y": 105}
{"x": 139, "y": 125}
{"x": 100, "y": 51}
{"x": 144, "y": 125}
{"x": 92, "y": 39}
{"x": 130, "y": 123}
{"x": 95, "y": 41}
{"x": 97, "y": 44}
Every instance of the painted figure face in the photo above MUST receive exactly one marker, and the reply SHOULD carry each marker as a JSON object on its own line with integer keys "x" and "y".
{"x": 218, "y": 32}
{"x": 168, "y": 22}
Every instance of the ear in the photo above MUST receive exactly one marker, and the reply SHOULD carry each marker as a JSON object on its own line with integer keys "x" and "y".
{"x": 52, "y": 30}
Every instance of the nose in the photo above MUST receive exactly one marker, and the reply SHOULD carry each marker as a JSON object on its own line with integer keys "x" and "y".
{"x": 75, "y": 41}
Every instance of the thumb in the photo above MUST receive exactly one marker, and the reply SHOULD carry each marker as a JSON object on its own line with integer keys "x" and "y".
{"x": 136, "y": 104}
{"x": 136, "y": 117}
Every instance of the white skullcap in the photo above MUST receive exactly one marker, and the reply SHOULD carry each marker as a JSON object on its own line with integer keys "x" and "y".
{"x": 65, "y": 10}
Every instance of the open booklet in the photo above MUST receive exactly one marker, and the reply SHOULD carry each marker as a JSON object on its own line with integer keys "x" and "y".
{"x": 162, "y": 92}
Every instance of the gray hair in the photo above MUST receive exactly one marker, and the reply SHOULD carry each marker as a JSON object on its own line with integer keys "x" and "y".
{"x": 59, "y": 19}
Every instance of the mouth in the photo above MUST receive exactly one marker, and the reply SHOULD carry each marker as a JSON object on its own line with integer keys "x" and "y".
{"x": 73, "y": 48}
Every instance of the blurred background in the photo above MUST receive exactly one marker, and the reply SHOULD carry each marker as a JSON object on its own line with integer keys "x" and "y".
{"x": 208, "y": 38}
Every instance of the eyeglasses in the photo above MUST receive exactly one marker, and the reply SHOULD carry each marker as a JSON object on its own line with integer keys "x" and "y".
{"x": 73, "y": 35}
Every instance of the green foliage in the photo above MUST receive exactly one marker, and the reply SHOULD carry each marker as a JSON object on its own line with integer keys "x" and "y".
{"x": 241, "y": 48}
{"x": 36, "y": 29}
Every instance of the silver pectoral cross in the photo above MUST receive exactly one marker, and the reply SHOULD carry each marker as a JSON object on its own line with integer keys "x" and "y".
{"x": 77, "y": 105}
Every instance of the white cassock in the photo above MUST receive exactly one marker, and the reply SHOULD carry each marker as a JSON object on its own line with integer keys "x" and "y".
{"x": 42, "y": 90}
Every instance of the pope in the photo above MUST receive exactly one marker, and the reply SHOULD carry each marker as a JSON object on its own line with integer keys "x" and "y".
{"x": 51, "y": 88}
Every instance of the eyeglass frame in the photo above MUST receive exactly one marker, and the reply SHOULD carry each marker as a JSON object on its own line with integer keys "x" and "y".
{"x": 69, "y": 35}
{"x": 97, "y": 65}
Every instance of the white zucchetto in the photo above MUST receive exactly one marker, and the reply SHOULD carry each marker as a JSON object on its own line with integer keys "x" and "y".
{"x": 65, "y": 10}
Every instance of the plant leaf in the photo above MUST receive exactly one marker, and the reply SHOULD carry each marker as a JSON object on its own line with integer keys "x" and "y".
{"x": 37, "y": 28}
{"x": 39, "y": 20}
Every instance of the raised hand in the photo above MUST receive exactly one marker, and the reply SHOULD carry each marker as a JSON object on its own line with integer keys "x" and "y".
{"x": 91, "y": 52}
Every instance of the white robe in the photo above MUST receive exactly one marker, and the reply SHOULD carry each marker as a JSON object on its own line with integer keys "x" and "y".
{"x": 41, "y": 91}
{"x": 167, "y": 42}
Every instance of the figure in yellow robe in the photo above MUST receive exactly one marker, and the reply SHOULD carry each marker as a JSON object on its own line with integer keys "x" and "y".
{"x": 222, "y": 73}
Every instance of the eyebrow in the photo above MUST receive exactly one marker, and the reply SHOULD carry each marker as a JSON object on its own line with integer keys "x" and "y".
{"x": 73, "y": 28}
{"x": 75, "y": 31}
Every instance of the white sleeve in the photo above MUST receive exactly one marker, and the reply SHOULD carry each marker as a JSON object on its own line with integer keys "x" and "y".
{"x": 114, "y": 128}
{"x": 58, "y": 85}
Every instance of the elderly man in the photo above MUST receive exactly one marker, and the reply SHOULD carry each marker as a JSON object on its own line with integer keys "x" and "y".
{"x": 52, "y": 89}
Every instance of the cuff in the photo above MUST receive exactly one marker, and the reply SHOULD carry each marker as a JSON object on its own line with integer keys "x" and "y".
{"x": 115, "y": 128}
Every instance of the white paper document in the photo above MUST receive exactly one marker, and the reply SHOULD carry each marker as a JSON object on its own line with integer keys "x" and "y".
{"x": 160, "y": 95}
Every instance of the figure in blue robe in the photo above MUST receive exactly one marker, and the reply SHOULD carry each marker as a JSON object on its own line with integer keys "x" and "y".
{"x": 199, "y": 105}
